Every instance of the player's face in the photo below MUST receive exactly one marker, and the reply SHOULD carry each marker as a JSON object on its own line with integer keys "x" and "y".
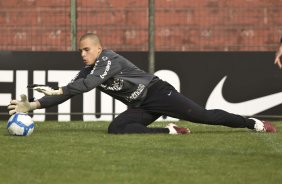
{"x": 89, "y": 51}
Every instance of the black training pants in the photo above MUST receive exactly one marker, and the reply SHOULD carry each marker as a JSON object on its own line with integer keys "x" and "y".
{"x": 163, "y": 99}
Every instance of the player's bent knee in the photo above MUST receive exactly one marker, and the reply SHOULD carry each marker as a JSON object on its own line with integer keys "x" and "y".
{"x": 114, "y": 130}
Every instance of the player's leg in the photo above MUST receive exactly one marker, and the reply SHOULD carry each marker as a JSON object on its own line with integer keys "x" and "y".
{"x": 164, "y": 99}
{"x": 135, "y": 120}
{"x": 186, "y": 109}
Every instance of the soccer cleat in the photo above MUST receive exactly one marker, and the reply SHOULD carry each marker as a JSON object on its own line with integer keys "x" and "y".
{"x": 174, "y": 129}
{"x": 263, "y": 126}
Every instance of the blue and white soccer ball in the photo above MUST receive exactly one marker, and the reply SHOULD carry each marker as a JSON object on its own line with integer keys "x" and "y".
{"x": 20, "y": 124}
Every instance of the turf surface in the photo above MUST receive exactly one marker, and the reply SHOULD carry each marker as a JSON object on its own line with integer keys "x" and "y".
{"x": 83, "y": 152}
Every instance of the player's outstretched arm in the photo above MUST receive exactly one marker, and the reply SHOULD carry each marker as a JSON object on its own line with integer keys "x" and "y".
{"x": 23, "y": 105}
{"x": 48, "y": 90}
{"x": 277, "y": 60}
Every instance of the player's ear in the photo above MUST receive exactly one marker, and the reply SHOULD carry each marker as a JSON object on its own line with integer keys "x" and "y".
{"x": 100, "y": 49}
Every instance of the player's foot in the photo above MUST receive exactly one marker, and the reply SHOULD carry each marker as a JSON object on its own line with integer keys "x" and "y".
{"x": 263, "y": 126}
{"x": 174, "y": 129}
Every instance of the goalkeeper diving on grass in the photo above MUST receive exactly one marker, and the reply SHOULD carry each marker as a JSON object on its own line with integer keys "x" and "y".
{"x": 147, "y": 96}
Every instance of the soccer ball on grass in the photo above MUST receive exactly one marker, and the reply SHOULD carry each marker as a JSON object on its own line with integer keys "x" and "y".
{"x": 20, "y": 124}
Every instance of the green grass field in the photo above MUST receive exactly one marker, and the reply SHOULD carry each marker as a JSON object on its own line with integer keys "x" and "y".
{"x": 83, "y": 152}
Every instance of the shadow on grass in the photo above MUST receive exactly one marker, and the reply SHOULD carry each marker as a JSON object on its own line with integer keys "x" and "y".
{"x": 61, "y": 131}
{"x": 221, "y": 131}
{"x": 71, "y": 130}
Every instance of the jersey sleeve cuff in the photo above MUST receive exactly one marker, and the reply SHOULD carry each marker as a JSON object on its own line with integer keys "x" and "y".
{"x": 65, "y": 90}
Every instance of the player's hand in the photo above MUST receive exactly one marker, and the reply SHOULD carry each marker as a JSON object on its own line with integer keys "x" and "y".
{"x": 20, "y": 106}
{"x": 277, "y": 60}
{"x": 48, "y": 90}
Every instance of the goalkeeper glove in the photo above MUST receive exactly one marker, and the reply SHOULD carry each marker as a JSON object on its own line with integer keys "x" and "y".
{"x": 48, "y": 90}
{"x": 23, "y": 106}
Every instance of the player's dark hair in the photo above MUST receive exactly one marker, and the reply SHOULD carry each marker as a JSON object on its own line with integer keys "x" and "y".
{"x": 92, "y": 36}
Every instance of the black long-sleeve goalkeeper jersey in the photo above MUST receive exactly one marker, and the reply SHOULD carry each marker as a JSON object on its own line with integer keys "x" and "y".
{"x": 114, "y": 75}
